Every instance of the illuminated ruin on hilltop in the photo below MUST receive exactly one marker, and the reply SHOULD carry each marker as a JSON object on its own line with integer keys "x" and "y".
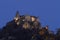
{"x": 29, "y": 21}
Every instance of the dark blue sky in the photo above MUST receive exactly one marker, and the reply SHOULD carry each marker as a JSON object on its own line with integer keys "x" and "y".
{"x": 47, "y": 10}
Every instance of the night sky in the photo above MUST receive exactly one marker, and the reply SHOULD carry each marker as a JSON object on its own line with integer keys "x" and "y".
{"x": 48, "y": 11}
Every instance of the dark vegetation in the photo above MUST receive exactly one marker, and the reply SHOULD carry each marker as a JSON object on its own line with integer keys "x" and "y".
{"x": 25, "y": 28}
